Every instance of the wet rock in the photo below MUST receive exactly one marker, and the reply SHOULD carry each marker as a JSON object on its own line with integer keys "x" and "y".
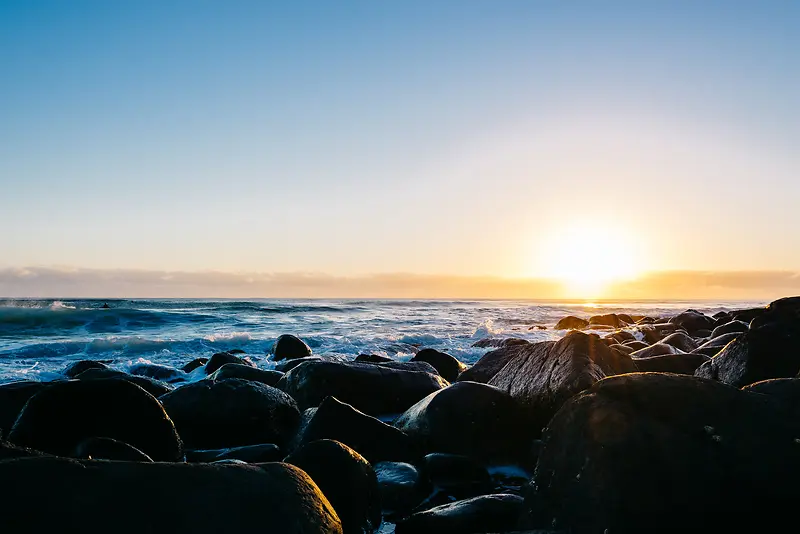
{"x": 786, "y": 391}
{"x": 196, "y": 498}
{"x": 747, "y": 315}
{"x": 571, "y": 323}
{"x": 372, "y": 358}
{"x": 713, "y": 346}
{"x": 13, "y": 397}
{"x": 677, "y": 450}
{"x": 401, "y": 486}
{"x": 491, "y": 342}
{"x": 60, "y": 416}
{"x": 622, "y": 336}
{"x": 636, "y": 345}
{"x": 681, "y": 341}
{"x": 469, "y": 418}
{"x": 154, "y": 387}
{"x": 288, "y": 365}
{"x": 447, "y": 366}
{"x": 692, "y": 321}
{"x": 545, "y": 375}
{"x": 622, "y": 348}
{"x": 657, "y": 349}
{"x": 236, "y": 351}
{"x": 245, "y": 372}
{"x": 251, "y": 454}
{"x": 221, "y": 358}
{"x": 423, "y": 367}
{"x": 288, "y": 347}
{"x": 372, "y": 389}
{"x": 490, "y": 363}
{"x": 9, "y": 451}
{"x": 347, "y": 480}
{"x": 157, "y": 372}
{"x": 108, "y": 449}
{"x": 611, "y": 319}
{"x": 456, "y": 475}
{"x": 194, "y": 364}
{"x": 77, "y": 368}
{"x": 733, "y": 327}
{"x": 682, "y": 364}
{"x": 373, "y": 439}
{"x": 654, "y": 333}
{"x": 488, "y": 513}
{"x": 231, "y": 413}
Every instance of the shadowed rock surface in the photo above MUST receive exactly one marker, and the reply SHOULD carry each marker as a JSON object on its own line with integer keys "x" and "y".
{"x": 13, "y": 397}
{"x": 571, "y": 323}
{"x": 490, "y": 363}
{"x": 245, "y": 372}
{"x": 488, "y": 513}
{"x": 251, "y": 454}
{"x": 108, "y": 449}
{"x": 154, "y": 387}
{"x": 447, "y": 366}
{"x": 682, "y": 364}
{"x": 157, "y": 372}
{"x": 221, "y": 358}
{"x": 77, "y": 368}
{"x": 288, "y": 347}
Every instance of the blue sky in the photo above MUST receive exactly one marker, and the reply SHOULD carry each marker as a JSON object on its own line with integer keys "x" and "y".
{"x": 447, "y": 137}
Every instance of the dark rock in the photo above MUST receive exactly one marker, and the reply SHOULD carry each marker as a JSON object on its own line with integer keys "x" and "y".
{"x": 657, "y": 349}
{"x": 625, "y": 318}
{"x": 621, "y": 336}
{"x": 681, "y": 341}
{"x": 252, "y": 454}
{"x": 786, "y": 391}
{"x": 703, "y": 333}
{"x": 622, "y": 348}
{"x": 196, "y": 498}
{"x": 610, "y": 319}
{"x": 157, "y": 372}
{"x": 346, "y": 479}
{"x": 447, "y": 366}
{"x": 488, "y": 513}
{"x": 571, "y": 322}
{"x": 456, "y": 475}
{"x": 373, "y": 439}
{"x": 401, "y": 486}
{"x": 108, "y": 449}
{"x": 469, "y": 418}
{"x": 231, "y": 413}
{"x": 733, "y": 327}
{"x": 747, "y": 315}
{"x": 422, "y": 367}
{"x": 713, "y": 346}
{"x": 153, "y": 387}
{"x": 682, "y": 364}
{"x": 288, "y": 365}
{"x": 677, "y": 450}
{"x": 13, "y": 397}
{"x": 236, "y": 351}
{"x": 547, "y": 374}
{"x": 77, "y": 368}
{"x": 221, "y": 358}
{"x": 491, "y": 363}
{"x": 654, "y": 333}
{"x": 245, "y": 372}
{"x": 372, "y": 358}
{"x": 692, "y": 321}
{"x": 194, "y": 364}
{"x": 9, "y": 451}
{"x": 373, "y": 389}
{"x": 636, "y": 345}
{"x": 60, "y": 416}
{"x": 491, "y": 342}
{"x": 646, "y": 320}
{"x": 288, "y": 347}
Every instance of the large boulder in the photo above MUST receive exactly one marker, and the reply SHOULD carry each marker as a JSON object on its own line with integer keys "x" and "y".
{"x": 62, "y": 415}
{"x": 656, "y": 349}
{"x": 108, "y": 449}
{"x": 221, "y": 358}
{"x": 652, "y": 452}
{"x": 610, "y": 319}
{"x": 786, "y": 391}
{"x": 288, "y": 347}
{"x": 94, "y": 497}
{"x": 488, "y": 513}
{"x": 372, "y": 358}
{"x": 231, "y": 413}
{"x": 469, "y": 418}
{"x": 493, "y": 342}
{"x": 373, "y": 389}
{"x": 13, "y": 397}
{"x": 693, "y": 321}
{"x": 246, "y": 372}
{"x": 491, "y": 362}
{"x": 713, "y": 346}
{"x": 251, "y": 454}
{"x": 447, "y": 366}
{"x": 456, "y": 475}
{"x": 732, "y": 327}
{"x": 194, "y": 364}
{"x": 545, "y": 375}
{"x": 571, "y": 322}
{"x": 372, "y": 438}
{"x": 682, "y": 364}
{"x": 401, "y": 486}
{"x": 74, "y": 369}
{"x": 346, "y": 479}
{"x": 154, "y": 387}
{"x": 423, "y": 367}
{"x": 158, "y": 372}
{"x": 681, "y": 341}
{"x": 287, "y": 365}
{"x": 654, "y": 333}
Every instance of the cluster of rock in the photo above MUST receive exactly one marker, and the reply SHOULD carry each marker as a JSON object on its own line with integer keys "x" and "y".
{"x": 686, "y": 423}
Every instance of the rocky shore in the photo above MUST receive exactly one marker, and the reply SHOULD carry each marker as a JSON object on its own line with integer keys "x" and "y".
{"x": 626, "y": 424}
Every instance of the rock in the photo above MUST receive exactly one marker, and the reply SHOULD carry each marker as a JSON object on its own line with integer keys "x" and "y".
{"x": 157, "y": 372}
{"x": 654, "y": 333}
{"x": 456, "y": 475}
{"x": 713, "y": 346}
{"x": 346, "y": 479}
{"x": 251, "y": 454}
{"x": 545, "y": 375}
{"x": 681, "y": 341}
{"x": 231, "y": 413}
{"x": 488, "y": 513}
{"x": 657, "y": 349}
{"x": 373, "y": 439}
{"x": 491, "y": 362}
{"x": 13, "y": 397}
{"x": 288, "y": 365}
{"x": 786, "y": 391}
{"x": 571, "y": 322}
{"x": 677, "y": 450}
{"x": 423, "y": 367}
{"x": 611, "y": 319}
{"x": 108, "y": 449}
{"x": 692, "y": 321}
{"x": 236, "y": 351}
{"x": 625, "y": 318}
{"x": 60, "y": 416}
{"x": 245, "y": 372}
{"x": 621, "y": 336}
{"x": 288, "y": 347}
{"x": 401, "y": 486}
{"x": 447, "y": 366}
{"x": 682, "y": 364}
{"x": 9, "y": 451}
{"x": 747, "y": 315}
{"x": 468, "y": 418}
{"x": 373, "y": 389}
{"x": 153, "y": 387}
{"x": 491, "y": 342}
{"x": 733, "y": 327}
{"x": 646, "y": 320}
{"x": 622, "y": 348}
{"x": 372, "y": 358}
{"x": 221, "y": 358}
{"x": 194, "y": 364}
{"x": 636, "y": 345}
{"x": 77, "y": 368}
{"x": 196, "y": 498}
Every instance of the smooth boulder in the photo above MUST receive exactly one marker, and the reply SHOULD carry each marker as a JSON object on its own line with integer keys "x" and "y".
{"x": 401, "y": 486}
{"x": 157, "y": 372}
{"x": 446, "y": 365}
{"x": 488, "y": 513}
{"x": 493, "y": 361}
{"x": 13, "y": 397}
{"x": 154, "y": 387}
{"x": 681, "y": 341}
{"x": 288, "y": 347}
{"x": 246, "y": 372}
{"x": 732, "y": 327}
{"x": 251, "y": 454}
{"x": 108, "y": 449}
{"x": 221, "y": 358}
{"x": 571, "y": 322}
{"x": 656, "y": 349}
{"x": 682, "y": 364}
{"x": 693, "y": 321}
{"x": 74, "y": 369}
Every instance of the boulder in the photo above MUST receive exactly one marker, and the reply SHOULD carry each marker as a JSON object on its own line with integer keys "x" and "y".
{"x": 545, "y": 375}
{"x": 657, "y": 349}
{"x": 488, "y": 513}
{"x": 287, "y": 365}
{"x": 681, "y": 341}
{"x": 622, "y": 348}
{"x": 636, "y": 345}
{"x": 490, "y": 363}
{"x": 423, "y": 367}
{"x": 221, "y": 358}
{"x": 346, "y": 479}
{"x": 457, "y": 476}
{"x": 288, "y": 347}
{"x": 372, "y": 438}
{"x": 94, "y": 497}
{"x": 491, "y": 342}
{"x": 571, "y": 322}
{"x": 74, "y": 369}
{"x": 194, "y": 364}
{"x": 13, "y": 397}
{"x": 713, "y": 346}
{"x": 231, "y": 413}
{"x": 747, "y": 315}
{"x": 732, "y": 327}
{"x": 682, "y": 364}
{"x": 620, "y": 336}
{"x": 157, "y": 372}
{"x": 654, "y": 333}
{"x": 62, "y": 415}
{"x": 372, "y": 389}
{"x": 785, "y": 391}
{"x": 681, "y": 453}
{"x": 245, "y": 372}
{"x": 447, "y": 366}
{"x": 610, "y": 319}
{"x": 155, "y": 388}
{"x": 108, "y": 449}
{"x": 469, "y": 418}
{"x": 372, "y": 358}
{"x": 10, "y": 451}
{"x": 251, "y": 454}
{"x": 401, "y": 486}
{"x": 693, "y": 321}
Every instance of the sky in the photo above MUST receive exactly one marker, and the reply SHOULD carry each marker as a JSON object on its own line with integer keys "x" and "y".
{"x": 359, "y": 140}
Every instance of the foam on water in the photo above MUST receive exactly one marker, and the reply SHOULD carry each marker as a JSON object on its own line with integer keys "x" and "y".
{"x": 39, "y": 337}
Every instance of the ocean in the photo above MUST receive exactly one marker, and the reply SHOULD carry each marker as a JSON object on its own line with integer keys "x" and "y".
{"x": 39, "y": 337}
